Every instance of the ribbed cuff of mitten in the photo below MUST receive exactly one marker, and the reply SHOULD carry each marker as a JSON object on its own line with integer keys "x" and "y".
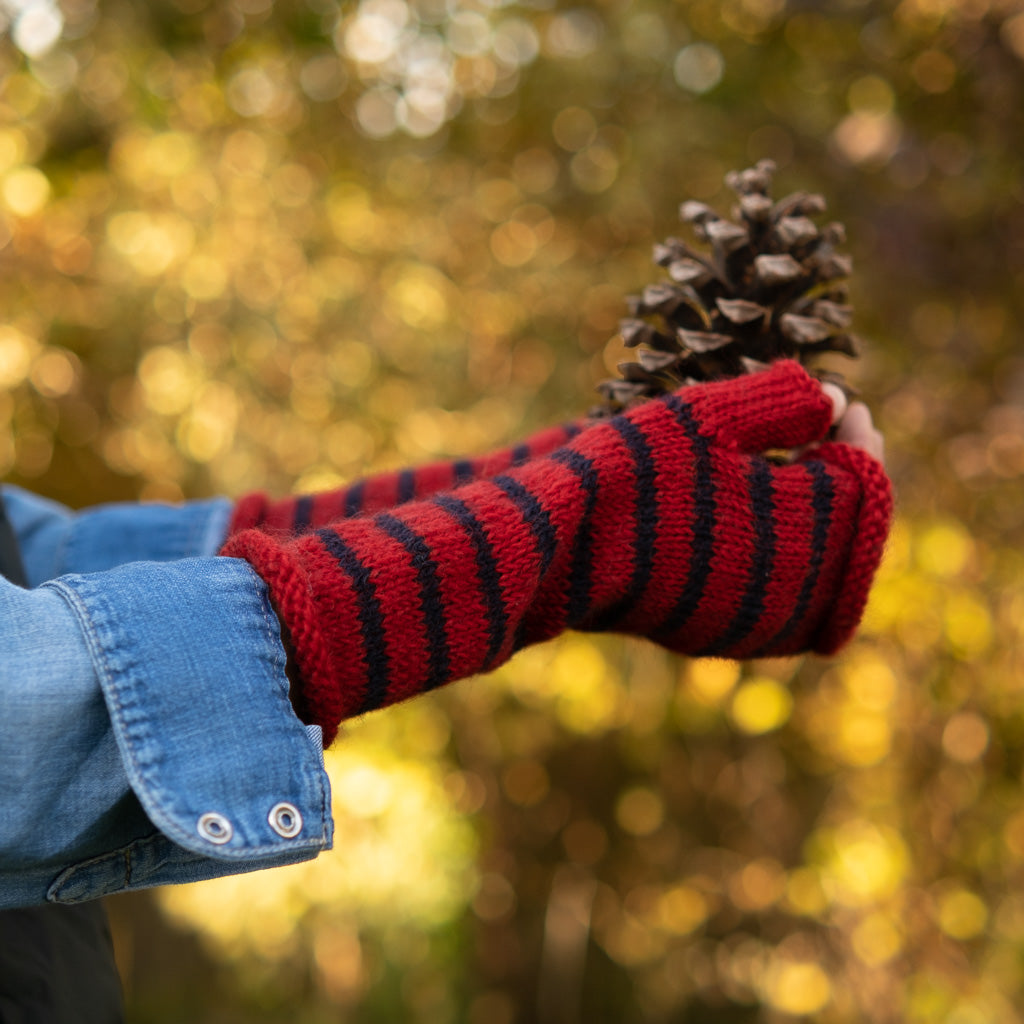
{"x": 874, "y": 519}
{"x": 295, "y": 515}
{"x": 318, "y": 699}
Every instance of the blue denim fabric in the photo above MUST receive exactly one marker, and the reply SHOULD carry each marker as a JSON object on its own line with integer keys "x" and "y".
{"x": 146, "y": 735}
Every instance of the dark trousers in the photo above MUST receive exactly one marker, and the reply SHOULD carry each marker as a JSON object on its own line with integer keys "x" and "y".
{"x": 57, "y": 966}
{"x": 57, "y": 960}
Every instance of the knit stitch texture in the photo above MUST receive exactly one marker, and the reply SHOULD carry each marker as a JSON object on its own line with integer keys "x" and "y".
{"x": 295, "y": 515}
{"x": 667, "y": 521}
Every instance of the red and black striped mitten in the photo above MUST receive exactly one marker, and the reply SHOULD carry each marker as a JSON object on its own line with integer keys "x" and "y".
{"x": 299, "y": 514}
{"x": 665, "y": 521}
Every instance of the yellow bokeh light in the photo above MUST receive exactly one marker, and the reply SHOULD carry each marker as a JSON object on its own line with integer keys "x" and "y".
{"x": 640, "y": 811}
{"x": 1008, "y": 917}
{"x": 351, "y": 215}
{"x": 761, "y": 705}
{"x": 209, "y": 426}
{"x": 418, "y": 296}
{"x": 55, "y": 372}
{"x": 338, "y": 955}
{"x": 423, "y": 430}
{"x": 587, "y": 697}
{"x": 711, "y": 680}
{"x": 968, "y": 624}
{"x": 876, "y": 939}
{"x": 169, "y": 154}
{"x": 864, "y": 863}
{"x": 871, "y": 94}
{"x": 864, "y": 737}
{"x": 867, "y": 137}
{"x": 403, "y": 854}
{"x": 318, "y": 478}
{"x": 348, "y": 445}
{"x": 495, "y": 198}
{"x": 25, "y": 191}
{"x": 962, "y": 914}
{"x": 150, "y": 243}
{"x": 573, "y": 128}
{"x": 799, "y": 988}
{"x": 804, "y": 892}
{"x": 1012, "y": 32}
{"x": 362, "y": 789}
{"x": 513, "y": 243}
{"x": 16, "y": 353}
{"x": 535, "y": 170}
{"x": 869, "y": 680}
{"x": 12, "y": 147}
{"x": 595, "y": 168}
{"x": 943, "y": 549}
{"x": 204, "y": 277}
{"x": 682, "y": 909}
{"x": 352, "y": 363}
{"x": 965, "y": 737}
{"x": 169, "y": 378}
{"x": 758, "y": 885}
{"x": 630, "y": 943}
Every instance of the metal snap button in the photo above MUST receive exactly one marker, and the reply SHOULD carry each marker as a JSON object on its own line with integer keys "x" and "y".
{"x": 215, "y": 828}
{"x": 285, "y": 820}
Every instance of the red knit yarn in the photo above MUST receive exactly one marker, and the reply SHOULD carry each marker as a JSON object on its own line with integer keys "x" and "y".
{"x": 872, "y": 520}
{"x": 667, "y": 521}
{"x": 386, "y": 490}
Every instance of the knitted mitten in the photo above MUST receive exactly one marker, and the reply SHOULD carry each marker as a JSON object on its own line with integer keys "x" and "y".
{"x": 299, "y": 514}
{"x": 665, "y": 521}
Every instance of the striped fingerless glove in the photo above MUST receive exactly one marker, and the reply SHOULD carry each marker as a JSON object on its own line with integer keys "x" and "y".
{"x": 666, "y": 521}
{"x": 296, "y": 515}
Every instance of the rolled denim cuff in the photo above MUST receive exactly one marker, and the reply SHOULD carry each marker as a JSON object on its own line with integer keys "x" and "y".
{"x": 189, "y": 658}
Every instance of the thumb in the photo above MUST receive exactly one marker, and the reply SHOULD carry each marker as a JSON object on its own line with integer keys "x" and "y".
{"x": 781, "y": 407}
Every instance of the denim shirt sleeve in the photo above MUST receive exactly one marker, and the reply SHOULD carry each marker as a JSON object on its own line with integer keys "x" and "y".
{"x": 53, "y": 540}
{"x": 146, "y": 735}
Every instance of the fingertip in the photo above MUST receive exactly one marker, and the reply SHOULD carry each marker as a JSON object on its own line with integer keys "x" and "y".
{"x": 855, "y": 425}
{"x": 857, "y": 429}
{"x": 835, "y": 394}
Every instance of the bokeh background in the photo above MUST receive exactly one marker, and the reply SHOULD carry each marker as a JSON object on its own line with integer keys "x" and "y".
{"x": 247, "y": 244}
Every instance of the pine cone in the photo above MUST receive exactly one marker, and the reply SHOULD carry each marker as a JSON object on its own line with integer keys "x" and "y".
{"x": 770, "y": 288}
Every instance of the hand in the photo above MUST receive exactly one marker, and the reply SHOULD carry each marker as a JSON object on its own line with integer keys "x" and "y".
{"x": 853, "y": 424}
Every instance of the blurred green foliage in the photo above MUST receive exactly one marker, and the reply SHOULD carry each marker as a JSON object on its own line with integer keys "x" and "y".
{"x": 256, "y": 245}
